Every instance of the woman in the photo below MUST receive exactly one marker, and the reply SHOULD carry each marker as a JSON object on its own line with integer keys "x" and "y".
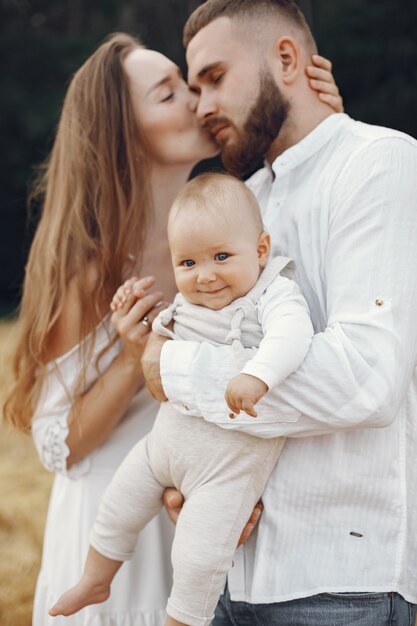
{"x": 126, "y": 143}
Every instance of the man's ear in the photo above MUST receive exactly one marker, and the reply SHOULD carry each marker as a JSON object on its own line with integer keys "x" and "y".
{"x": 264, "y": 248}
{"x": 287, "y": 51}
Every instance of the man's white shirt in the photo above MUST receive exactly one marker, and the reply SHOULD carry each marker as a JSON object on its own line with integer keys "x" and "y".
{"x": 341, "y": 505}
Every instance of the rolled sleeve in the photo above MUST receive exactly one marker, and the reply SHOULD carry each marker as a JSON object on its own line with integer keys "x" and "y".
{"x": 195, "y": 376}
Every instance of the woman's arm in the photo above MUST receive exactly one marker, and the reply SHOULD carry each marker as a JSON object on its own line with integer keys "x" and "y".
{"x": 94, "y": 415}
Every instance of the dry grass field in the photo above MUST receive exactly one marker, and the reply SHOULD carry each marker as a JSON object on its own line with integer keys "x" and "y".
{"x": 24, "y": 492}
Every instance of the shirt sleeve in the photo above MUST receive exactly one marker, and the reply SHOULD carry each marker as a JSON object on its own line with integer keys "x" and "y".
{"x": 284, "y": 316}
{"x": 358, "y": 370}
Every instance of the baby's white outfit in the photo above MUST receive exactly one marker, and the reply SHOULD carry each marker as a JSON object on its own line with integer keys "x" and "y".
{"x": 222, "y": 474}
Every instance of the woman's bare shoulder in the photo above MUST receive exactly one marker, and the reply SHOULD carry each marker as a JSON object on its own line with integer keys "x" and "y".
{"x": 67, "y": 331}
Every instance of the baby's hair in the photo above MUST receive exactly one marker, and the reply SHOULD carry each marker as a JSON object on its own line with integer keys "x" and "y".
{"x": 216, "y": 192}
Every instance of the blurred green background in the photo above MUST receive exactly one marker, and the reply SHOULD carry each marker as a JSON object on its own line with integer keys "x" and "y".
{"x": 372, "y": 43}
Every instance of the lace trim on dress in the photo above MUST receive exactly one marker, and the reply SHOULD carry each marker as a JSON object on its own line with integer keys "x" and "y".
{"x": 50, "y": 421}
{"x": 54, "y": 448}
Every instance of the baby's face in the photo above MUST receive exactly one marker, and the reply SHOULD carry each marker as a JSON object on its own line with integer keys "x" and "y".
{"x": 216, "y": 259}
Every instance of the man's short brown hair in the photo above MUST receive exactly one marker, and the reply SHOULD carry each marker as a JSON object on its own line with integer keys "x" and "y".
{"x": 213, "y": 9}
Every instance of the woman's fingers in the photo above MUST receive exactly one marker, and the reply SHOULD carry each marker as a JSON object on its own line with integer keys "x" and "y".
{"x": 321, "y": 79}
{"x": 139, "y": 309}
{"x": 142, "y": 283}
{"x": 322, "y": 62}
{"x": 144, "y": 326}
{"x": 335, "y": 102}
{"x": 319, "y": 74}
{"x": 133, "y": 311}
{"x": 324, "y": 87}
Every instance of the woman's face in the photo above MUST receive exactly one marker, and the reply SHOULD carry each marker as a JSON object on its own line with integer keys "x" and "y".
{"x": 165, "y": 110}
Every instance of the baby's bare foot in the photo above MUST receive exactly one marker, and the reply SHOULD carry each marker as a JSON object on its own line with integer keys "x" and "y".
{"x": 83, "y": 594}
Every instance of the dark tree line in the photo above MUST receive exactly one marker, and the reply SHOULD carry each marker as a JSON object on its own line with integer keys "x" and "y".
{"x": 372, "y": 44}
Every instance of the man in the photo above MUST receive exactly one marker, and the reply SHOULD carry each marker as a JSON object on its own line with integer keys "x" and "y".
{"x": 336, "y": 543}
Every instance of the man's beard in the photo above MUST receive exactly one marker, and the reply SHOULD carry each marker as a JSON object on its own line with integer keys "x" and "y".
{"x": 261, "y": 128}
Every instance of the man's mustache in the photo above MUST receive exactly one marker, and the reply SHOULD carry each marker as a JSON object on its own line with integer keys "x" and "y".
{"x": 214, "y": 123}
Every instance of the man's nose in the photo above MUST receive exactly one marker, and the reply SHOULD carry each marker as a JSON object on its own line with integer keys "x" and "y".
{"x": 206, "y": 106}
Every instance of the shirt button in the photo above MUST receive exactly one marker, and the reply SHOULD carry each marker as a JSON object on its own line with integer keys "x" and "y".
{"x": 379, "y": 302}
{"x": 232, "y": 416}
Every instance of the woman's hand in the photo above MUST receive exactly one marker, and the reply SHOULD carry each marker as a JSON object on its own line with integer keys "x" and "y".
{"x": 322, "y": 80}
{"x": 173, "y": 501}
{"x": 134, "y": 309}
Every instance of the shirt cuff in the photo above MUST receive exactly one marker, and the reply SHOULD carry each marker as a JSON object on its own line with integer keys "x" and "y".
{"x": 259, "y": 372}
{"x": 175, "y": 365}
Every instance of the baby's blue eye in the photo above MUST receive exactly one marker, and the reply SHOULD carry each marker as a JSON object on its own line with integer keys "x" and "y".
{"x": 221, "y": 256}
{"x": 188, "y": 263}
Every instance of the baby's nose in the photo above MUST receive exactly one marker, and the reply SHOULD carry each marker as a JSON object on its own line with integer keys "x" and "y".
{"x": 206, "y": 276}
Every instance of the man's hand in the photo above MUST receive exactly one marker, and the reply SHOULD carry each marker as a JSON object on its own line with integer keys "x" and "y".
{"x": 151, "y": 366}
{"x": 243, "y": 392}
{"x": 251, "y": 523}
{"x": 173, "y": 501}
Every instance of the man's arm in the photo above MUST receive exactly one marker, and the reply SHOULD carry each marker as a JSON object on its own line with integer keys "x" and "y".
{"x": 358, "y": 370}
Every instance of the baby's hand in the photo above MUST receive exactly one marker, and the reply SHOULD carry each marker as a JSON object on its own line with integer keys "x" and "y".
{"x": 125, "y": 292}
{"x": 243, "y": 392}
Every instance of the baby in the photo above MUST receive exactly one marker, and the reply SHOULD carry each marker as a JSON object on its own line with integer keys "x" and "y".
{"x": 229, "y": 292}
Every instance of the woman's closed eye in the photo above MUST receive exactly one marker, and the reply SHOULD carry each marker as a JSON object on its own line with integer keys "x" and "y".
{"x": 221, "y": 256}
{"x": 168, "y": 97}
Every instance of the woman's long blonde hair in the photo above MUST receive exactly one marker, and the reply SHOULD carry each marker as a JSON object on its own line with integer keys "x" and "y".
{"x": 96, "y": 208}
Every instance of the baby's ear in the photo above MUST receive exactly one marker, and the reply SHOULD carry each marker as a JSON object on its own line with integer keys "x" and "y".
{"x": 264, "y": 248}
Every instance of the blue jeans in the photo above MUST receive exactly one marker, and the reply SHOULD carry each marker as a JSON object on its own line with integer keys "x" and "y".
{"x": 325, "y": 609}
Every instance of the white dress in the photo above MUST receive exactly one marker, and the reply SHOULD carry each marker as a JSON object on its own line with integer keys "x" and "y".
{"x": 141, "y": 587}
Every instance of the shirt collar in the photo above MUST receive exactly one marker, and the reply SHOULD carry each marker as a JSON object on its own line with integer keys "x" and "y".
{"x": 310, "y": 144}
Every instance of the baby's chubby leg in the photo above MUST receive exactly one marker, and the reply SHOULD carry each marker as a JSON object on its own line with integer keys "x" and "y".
{"x": 93, "y": 588}
{"x": 206, "y": 537}
{"x": 132, "y": 499}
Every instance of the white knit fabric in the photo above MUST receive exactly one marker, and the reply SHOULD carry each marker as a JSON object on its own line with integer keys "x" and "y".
{"x": 221, "y": 474}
